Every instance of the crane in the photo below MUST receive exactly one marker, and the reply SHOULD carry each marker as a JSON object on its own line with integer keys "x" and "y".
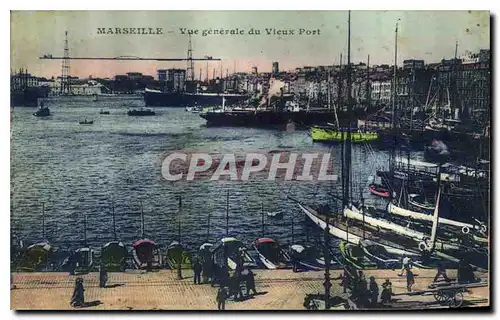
{"x": 128, "y": 58}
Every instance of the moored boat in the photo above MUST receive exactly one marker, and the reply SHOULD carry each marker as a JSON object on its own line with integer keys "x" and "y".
{"x": 83, "y": 260}
{"x": 355, "y": 255}
{"x": 87, "y": 121}
{"x": 34, "y": 257}
{"x": 104, "y": 112}
{"x": 144, "y": 253}
{"x": 141, "y": 112}
{"x": 113, "y": 256}
{"x": 176, "y": 255}
{"x": 327, "y": 134}
{"x": 271, "y": 254}
{"x": 379, "y": 190}
{"x": 235, "y": 252}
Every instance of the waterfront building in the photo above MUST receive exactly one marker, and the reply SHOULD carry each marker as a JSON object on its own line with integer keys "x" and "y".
{"x": 276, "y": 69}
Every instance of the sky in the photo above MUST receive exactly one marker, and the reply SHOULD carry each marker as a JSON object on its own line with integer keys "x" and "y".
{"x": 428, "y": 35}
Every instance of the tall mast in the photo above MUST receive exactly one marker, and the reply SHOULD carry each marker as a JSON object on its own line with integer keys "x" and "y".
{"x": 179, "y": 218}
{"x": 394, "y": 86}
{"x": 227, "y": 214}
{"x": 368, "y": 88}
{"x": 394, "y": 95}
{"x": 208, "y": 227}
{"x": 43, "y": 221}
{"x": 349, "y": 115}
{"x": 85, "y": 229}
{"x": 114, "y": 222}
{"x": 263, "y": 226}
{"x": 65, "y": 68}
{"x": 142, "y": 220}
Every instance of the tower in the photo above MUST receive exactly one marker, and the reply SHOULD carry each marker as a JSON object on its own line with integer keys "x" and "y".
{"x": 65, "y": 77}
{"x": 190, "y": 62}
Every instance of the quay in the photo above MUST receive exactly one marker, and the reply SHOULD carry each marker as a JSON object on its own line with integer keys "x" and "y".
{"x": 160, "y": 290}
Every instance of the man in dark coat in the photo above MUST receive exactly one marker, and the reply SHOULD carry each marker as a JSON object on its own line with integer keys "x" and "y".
{"x": 78, "y": 298}
{"x": 221, "y": 298}
{"x": 103, "y": 276}
{"x": 250, "y": 282}
{"x": 386, "y": 295}
{"x": 373, "y": 292}
{"x": 197, "y": 272}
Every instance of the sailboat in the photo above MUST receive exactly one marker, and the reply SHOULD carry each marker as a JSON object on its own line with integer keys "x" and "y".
{"x": 177, "y": 256}
{"x": 36, "y": 255}
{"x": 270, "y": 253}
{"x": 114, "y": 253}
{"x": 145, "y": 250}
{"x": 83, "y": 258}
{"x": 234, "y": 250}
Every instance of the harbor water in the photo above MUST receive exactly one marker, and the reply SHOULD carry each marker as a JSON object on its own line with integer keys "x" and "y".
{"x": 76, "y": 170}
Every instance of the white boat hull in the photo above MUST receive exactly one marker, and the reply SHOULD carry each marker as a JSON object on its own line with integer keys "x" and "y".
{"x": 352, "y": 238}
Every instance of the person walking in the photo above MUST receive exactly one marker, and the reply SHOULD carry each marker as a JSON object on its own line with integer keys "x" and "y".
{"x": 78, "y": 297}
{"x": 250, "y": 282}
{"x": 386, "y": 295}
{"x": 441, "y": 271}
{"x": 410, "y": 279}
{"x": 103, "y": 276}
{"x": 373, "y": 292}
{"x": 221, "y": 298}
{"x": 406, "y": 265}
{"x": 197, "y": 268}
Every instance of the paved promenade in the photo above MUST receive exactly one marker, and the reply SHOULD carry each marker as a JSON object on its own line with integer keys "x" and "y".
{"x": 137, "y": 290}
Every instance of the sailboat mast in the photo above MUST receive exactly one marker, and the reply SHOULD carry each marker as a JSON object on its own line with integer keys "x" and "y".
{"x": 142, "y": 220}
{"x": 208, "y": 227}
{"x": 227, "y": 214}
{"x": 179, "y": 218}
{"x": 349, "y": 115}
{"x": 394, "y": 95}
{"x": 293, "y": 231}
{"x": 43, "y": 221}
{"x": 85, "y": 229}
{"x": 262, "y": 214}
{"x": 368, "y": 91}
{"x": 114, "y": 222}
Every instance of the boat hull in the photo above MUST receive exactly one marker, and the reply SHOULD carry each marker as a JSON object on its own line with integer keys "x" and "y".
{"x": 330, "y": 135}
{"x": 177, "y": 99}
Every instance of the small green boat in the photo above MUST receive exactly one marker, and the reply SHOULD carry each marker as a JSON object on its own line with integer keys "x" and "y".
{"x": 355, "y": 255}
{"x": 113, "y": 256}
{"x": 325, "y": 134}
{"x": 177, "y": 254}
{"x": 34, "y": 257}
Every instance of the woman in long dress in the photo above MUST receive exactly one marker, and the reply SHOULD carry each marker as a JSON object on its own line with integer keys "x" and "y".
{"x": 78, "y": 299}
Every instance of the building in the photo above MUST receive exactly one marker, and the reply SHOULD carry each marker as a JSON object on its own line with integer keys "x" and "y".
{"x": 172, "y": 79}
{"x": 276, "y": 69}
{"x": 413, "y": 64}
{"x": 254, "y": 71}
{"x": 23, "y": 80}
{"x": 134, "y": 75}
{"x": 381, "y": 91}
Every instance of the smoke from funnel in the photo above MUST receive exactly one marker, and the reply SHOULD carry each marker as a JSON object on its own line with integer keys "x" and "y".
{"x": 275, "y": 88}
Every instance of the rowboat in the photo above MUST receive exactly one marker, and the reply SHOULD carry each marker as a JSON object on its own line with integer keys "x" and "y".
{"x": 235, "y": 252}
{"x": 113, "y": 256}
{"x": 84, "y": 260}
{"x": 271, "y": 254}
{"x": 379, "y": 190}
{"x": 34, "y": 257}
{"x": 177, "y": 254}
{"x": 305, "y": 258}
{"x": 355, "y": 255}
{"x": 416, "y": 201}
{"x": 144, "y": 252}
